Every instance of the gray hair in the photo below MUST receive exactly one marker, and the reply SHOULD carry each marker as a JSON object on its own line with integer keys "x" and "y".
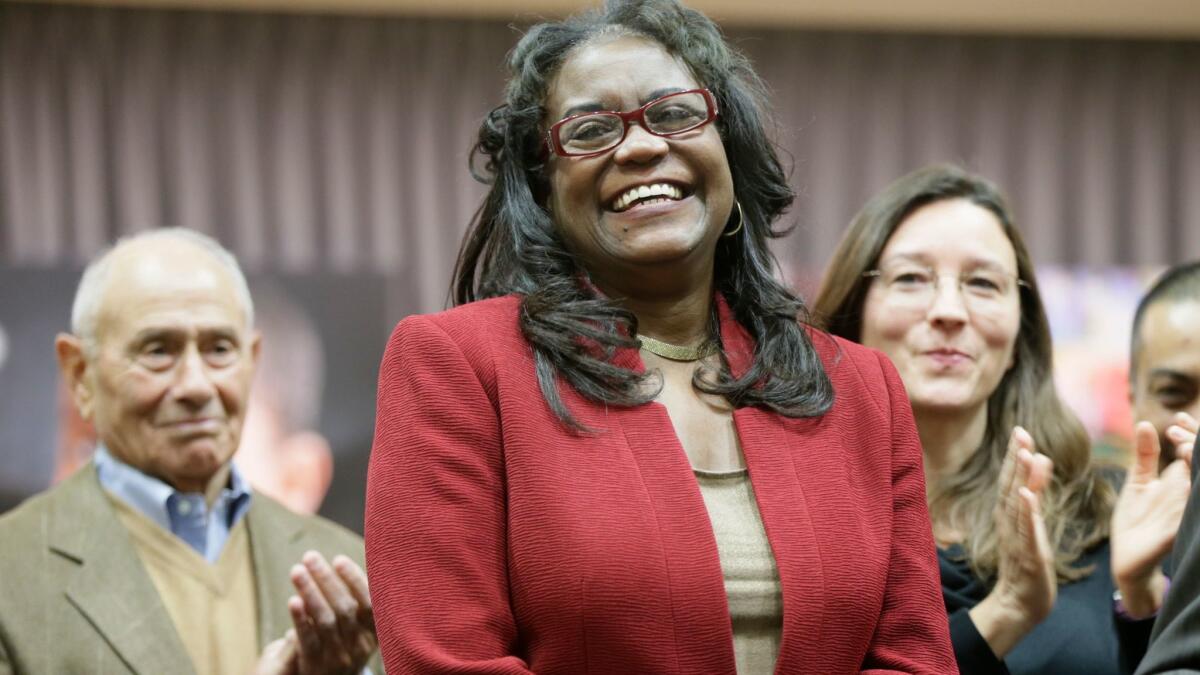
{"x": 86, "y": 308}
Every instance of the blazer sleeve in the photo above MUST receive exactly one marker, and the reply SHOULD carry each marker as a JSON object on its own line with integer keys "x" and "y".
{"x": 912, "y": 635}
{"x": 435, "y": 513}
{"x": 1175, "y": 640}
{"x": 1133, "y": 637}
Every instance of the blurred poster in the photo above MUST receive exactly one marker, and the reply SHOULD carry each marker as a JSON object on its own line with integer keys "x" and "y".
{"x": 312, "y": 412}
{"x": 1091, "y": 318}
{"x": 34, "y": 307}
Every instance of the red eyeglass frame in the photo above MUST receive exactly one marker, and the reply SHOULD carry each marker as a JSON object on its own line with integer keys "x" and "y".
{"x": 638, "y": 115}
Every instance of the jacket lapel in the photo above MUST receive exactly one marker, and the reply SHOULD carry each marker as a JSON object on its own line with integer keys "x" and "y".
{"x": 689, "y": 548}
{"x": 782, "y": 475}
{"x": 276, "y": 543}
{"x": 788, "y": 482}
{"x": 109, "y": 586}
{"x": 700, "y": 611}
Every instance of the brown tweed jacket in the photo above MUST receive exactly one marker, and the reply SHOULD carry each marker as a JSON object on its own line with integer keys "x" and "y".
{"x": 75, "y": 598}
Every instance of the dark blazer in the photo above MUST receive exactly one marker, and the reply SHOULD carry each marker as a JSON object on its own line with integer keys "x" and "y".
{"x": 75, "y": 598}
{"x": 498, "y": 541}
{"x": 1175, "y": 642}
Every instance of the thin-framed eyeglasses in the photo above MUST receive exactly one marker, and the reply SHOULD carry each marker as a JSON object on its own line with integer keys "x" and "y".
{"x": 915, "y": 286}
{"x": 594, "y": 133}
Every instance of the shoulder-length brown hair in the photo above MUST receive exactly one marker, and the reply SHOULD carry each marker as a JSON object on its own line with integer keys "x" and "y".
{"x": 1078, "y": 502}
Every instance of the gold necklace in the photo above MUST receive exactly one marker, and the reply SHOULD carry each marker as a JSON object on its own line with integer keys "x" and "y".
{"x": 678, "y": 352}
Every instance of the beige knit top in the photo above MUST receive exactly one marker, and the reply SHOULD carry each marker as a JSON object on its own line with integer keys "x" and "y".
{"x": 751, "y": 577}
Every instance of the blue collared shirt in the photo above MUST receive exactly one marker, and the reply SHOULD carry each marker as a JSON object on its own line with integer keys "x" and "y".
{"x": 184, "y": 514}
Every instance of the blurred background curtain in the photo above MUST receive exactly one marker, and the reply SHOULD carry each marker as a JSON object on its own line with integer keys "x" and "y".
{"x": 340, "y": 143}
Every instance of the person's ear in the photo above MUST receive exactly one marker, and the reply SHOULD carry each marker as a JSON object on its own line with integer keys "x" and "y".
{"x": 255, "y": 348}
{"x": 1131, "y": 378}
{"x": 74, "y": 368}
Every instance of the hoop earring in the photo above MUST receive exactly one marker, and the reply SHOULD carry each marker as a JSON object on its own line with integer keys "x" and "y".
{"x": 741, "y": 221}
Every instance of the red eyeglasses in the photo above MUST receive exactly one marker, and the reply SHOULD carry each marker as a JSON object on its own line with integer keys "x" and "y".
{"x": 594, "y": 133}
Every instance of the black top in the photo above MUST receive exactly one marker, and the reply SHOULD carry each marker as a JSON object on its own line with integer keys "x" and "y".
{"x": 1082, "y": 635}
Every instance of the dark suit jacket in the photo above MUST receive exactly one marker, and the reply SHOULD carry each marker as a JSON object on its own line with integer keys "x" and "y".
{"x": 1175, "y": 642}
{"x": 75, "y": 598}
{"x": 500, "y": 542}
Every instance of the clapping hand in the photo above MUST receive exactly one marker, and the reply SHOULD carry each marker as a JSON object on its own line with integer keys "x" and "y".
{"x": 1026, "y": 586}
{"x": 333, "y": 628}
{"x": 1146, "y": 518}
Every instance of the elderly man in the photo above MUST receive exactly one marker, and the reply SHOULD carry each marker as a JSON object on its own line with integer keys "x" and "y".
{"x": 156, "y": 557}
{"x": 1165, "y": 383}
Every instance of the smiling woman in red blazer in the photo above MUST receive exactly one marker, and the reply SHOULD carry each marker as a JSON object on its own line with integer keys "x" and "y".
{"x": 624, "y": 452}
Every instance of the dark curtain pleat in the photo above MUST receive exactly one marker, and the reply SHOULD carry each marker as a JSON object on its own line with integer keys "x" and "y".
{"x": 341, "y": 143}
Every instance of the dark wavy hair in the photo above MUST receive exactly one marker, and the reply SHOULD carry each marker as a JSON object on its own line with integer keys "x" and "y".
{"x": 513, "y": 245}
{"x": 1078, "y": 502}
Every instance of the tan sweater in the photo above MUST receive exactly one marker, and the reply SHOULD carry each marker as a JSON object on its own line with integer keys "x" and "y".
{"x": 751, "y": 577}
{"x": 213, "y": 607}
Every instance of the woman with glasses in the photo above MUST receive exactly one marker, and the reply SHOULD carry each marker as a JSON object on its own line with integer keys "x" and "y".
{"x": 623, "y": 451}
{"x": 933, "y": 274}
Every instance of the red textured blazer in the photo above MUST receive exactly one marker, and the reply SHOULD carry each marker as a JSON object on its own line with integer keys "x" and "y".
{"x": 500, "y": 542}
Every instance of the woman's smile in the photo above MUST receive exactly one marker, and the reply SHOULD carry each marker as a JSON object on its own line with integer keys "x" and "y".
{"x": 645, "y": 195}
{"x": 946, "y": 359}
{"x": 655, "y": 213}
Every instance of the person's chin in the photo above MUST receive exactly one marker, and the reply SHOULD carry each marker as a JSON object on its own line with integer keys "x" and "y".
{"x": 204, "y": 454}
{"x": 659, "y": 255}
{"x": 663, "y": 244}
{"x": 944, "y": 400}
